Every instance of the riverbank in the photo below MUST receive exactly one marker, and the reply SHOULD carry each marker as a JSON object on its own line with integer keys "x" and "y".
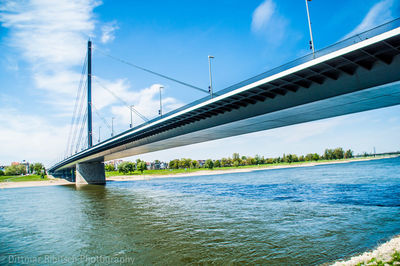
{"x": 230, "y": 170}
{"x": 201, "y": 172}
{"x": 38, "y": 183}
{"x": 385, "y": 254}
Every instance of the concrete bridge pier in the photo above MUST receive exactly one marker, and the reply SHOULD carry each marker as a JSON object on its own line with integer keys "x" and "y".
{"x": 90, "y": 173}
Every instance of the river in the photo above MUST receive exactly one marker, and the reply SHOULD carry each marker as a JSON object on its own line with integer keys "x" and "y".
{"x": 296, "y": 216}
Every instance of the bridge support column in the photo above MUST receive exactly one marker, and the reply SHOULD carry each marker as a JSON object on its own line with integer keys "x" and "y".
{"x": 90, "y": 173}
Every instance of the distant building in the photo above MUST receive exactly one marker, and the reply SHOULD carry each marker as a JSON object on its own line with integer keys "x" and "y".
{"x": 156, "y": 165}
{"x": 114, "y": 162}
{"x": 201, "y": 162}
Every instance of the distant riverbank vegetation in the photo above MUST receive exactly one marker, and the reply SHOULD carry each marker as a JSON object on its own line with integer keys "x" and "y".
{"x": 185, "y": 165}
{"x": 23, "y": 172}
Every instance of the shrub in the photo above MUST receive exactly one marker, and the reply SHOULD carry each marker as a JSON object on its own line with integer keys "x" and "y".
{"x": 209, "y": 164}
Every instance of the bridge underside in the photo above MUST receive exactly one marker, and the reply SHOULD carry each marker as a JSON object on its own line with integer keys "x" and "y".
{"x": 369, "y": 99}
{"x": 354, "y": 79}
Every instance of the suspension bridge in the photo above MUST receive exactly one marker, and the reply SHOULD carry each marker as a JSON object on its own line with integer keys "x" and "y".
{"x": 357, "y": 74}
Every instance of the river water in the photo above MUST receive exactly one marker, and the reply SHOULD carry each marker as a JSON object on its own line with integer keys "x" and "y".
{"x": 296, "y": 216}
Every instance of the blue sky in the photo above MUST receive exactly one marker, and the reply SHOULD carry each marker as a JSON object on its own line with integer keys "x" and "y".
{"x": 43, "y": 44}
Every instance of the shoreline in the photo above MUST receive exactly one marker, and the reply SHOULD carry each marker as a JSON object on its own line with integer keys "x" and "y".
{"x": 384, "y": 253}
{"x": 62, "y": 182}
{"x": 46, "y": 183}
{"x": 239, "y": 170}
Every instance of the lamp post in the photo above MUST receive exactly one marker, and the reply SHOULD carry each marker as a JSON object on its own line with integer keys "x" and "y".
{"x": 112, "y": 126}
{"x": 130, "y": 107}
{"x": 309, "y": 26}
{"x": 160, "y": 111}
{"x": 99, "y": 134}
{"x": 210, "y": 88}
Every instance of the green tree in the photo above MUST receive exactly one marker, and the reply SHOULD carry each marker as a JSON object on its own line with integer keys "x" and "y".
{"x": 109, "y": 167}
{"x": 209, "y": 164}
{"x": 250, "y": 161}
{"x": 174, "y": 164}
{"x": 37, "y": 168}
{"x": 348, "y": 154}
{"x": 236, "y": 163}
{"x": 194, "y": 164}
{"x": 258, "y": 159}
{"x": 217, "y": 163}
{"x": 270, "y": 160}
{"x": 316, "y": 157}
{"x": 224, "y": 162}
{"x": 1, "y": 172}
{"x": 15, "y": 170}
{"x": 185, "y": 163}
{"x": 11, "y": 170}
{"x": 21, "y": 169}
{"x": 126, "y": 167}
{"x": 338, "y": 153}
{"x": 235, "y": 156}
{"x": 141, "y": 166}
{"x": 309, "y": 157}
{"x": 328, "y": 154}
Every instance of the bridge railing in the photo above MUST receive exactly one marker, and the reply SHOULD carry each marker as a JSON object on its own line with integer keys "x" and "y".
{"x": 334, "y": 47}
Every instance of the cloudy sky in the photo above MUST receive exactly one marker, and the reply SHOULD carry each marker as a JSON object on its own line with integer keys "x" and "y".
{"x": 43, "y": 46}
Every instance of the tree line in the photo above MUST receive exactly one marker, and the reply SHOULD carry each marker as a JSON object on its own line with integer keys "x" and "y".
{"x": 21, "y": 169}
{"x": 128, "y": 167}
{"x": 235, "y": 161}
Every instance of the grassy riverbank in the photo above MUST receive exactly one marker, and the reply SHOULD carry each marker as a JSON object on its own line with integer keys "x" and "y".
{"x": 169, "y": 172}
{"x": 22, "y": 178}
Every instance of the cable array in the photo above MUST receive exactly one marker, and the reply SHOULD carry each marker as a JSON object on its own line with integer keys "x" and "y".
{"x": 79, "y": 100}
{"x": 81, "y": 131}
{"x": 151, "y": 71}
{"x": 80, "y": 110}
{"x": 145, "y": 119}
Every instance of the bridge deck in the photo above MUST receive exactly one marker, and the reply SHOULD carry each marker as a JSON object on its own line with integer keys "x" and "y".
{"x": 354, "y": 75}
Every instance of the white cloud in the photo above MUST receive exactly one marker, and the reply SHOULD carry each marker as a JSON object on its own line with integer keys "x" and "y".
{"x": 378, "y": 14}
{"x": 262, "y": 14}
{"x": 145, "y": 101}
{"x": 29, "y": 137}
{"x": 51, "y": 35}
{"x": 267, "y": 22}
{"x": 108, "y": 32}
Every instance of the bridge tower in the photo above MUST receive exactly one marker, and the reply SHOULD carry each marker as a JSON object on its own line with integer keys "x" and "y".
{"x": 89, "y": 95}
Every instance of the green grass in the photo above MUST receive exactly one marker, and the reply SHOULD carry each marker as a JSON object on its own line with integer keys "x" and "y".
{"x": 22, "y": 178}
{"x": 180, "y": 171}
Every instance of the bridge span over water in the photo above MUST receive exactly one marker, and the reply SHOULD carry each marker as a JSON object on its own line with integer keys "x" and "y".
{"x": 358, "y": 74}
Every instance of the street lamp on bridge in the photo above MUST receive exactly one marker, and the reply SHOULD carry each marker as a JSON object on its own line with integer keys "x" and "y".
{"x": 309, "y": 26}
{"x": 112, "y": 126}
{"x": 160, "y": 111}
{"x": 130, "y": 107}
{"x": 210, "y": 88}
